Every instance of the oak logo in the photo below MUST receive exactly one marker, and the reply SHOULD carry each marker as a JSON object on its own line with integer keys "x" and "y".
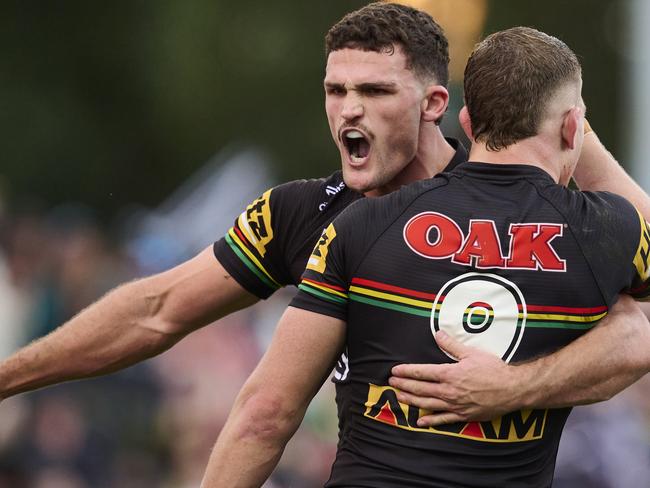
{"x": 317, "y": 260}
{"x": 435, "y": 236}
{"x": 255, "y": 222}
{"x": 520, "y": 426}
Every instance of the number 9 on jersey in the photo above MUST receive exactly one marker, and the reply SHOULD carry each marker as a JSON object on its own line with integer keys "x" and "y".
{"x": 481, "y": 310}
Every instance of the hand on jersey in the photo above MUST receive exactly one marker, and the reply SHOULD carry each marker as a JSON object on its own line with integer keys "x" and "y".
{"x": 480, "y": 386}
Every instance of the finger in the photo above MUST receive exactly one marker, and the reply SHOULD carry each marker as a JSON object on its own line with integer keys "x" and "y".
{"x": 440, "y": 418}
{"x": 426, "y": 403}
{"x": 416, "y": 387}
{"x": 452, "y": 346}
{"x": 427, "y": 372}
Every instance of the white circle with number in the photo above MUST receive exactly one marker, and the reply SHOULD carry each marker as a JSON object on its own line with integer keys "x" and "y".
{"x": 481, "y": 310}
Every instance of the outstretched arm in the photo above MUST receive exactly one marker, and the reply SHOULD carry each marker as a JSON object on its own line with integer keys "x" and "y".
{"x": 133, "y": 322}
{"x": 272, "y": 403}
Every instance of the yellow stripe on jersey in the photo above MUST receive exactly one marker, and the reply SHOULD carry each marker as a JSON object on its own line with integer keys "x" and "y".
{"x": 326, "y": 289}
{"x": 391, "y": 297}
{"x": 565, "y": 318}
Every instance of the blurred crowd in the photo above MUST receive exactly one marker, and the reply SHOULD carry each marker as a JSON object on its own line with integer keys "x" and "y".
{"x": 153, "y": 425}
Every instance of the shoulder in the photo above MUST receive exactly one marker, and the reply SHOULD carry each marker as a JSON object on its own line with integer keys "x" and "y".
{"x": 596, "y": 207}
{"x": 586, "y": 204}
{"x": 328, "y": 185}
{"x": 314, "y": 195}
{"x": 618, "y": 213}
{"x": 603, "y": 221}
{"x": 290, "y": 212}
{"x": 379, "y": 212}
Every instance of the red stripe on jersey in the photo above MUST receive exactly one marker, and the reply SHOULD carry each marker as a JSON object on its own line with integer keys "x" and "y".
{"x": 241, "y": 235}
{"x": 640, "y": 288}
{"x": 326, "y": 285}
{"x": 384, "y": 286}
{"x": 576, "y": 310}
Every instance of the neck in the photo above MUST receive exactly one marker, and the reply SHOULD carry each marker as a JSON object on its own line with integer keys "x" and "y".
{"x": 533, "y": 151}
{"x": 432, "y": 157}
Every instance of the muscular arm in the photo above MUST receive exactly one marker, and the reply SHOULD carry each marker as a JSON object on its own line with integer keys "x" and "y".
{"x": 133, "y": 322}
{"x": 272, "y": 403}
{"x": 597, "y": 170}
{"x": 594, "y": 368}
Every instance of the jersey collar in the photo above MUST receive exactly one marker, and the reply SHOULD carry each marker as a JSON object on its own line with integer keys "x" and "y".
{"x": 460, "y": 156}
{"x": 502, "y": 171}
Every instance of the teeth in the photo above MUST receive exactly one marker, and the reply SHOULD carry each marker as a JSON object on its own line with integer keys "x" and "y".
{"x": 354, "y": 134}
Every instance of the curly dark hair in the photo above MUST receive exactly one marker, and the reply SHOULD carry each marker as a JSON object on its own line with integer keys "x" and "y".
{"x": 381, "y": 26}
{"x": 509, "y": 79}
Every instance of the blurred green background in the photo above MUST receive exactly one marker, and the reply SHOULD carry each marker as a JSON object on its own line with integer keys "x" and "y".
{"x": 117, "y": 102}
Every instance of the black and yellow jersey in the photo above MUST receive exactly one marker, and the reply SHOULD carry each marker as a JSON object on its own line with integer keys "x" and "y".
{"x": 499, "y": 257}
{"x": 269, "y": 243}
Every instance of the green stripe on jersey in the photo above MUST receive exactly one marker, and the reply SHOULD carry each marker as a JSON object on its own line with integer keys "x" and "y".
{"x": 249, "y": 264}
{"x": 390, "y": 306}
{"x": 320, "y": 294}
{"x": 559, "y": 325}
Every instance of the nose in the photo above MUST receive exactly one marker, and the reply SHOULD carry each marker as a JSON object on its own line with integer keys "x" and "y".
{"x": 352, "y": 107}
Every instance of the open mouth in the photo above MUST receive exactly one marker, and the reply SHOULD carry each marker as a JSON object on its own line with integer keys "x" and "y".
{"x": 357, "y": 145}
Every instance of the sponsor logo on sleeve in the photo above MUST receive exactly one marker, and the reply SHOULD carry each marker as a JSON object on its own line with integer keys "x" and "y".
{"x": 642, "y": 257}
{"x": 520, "y": 426}
{"x": 255, "y": 223}
{"x": 317, "y": 260}
{"x": 330, "y": 191}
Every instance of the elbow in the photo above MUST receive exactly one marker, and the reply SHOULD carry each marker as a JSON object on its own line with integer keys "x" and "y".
{"x": 637, "y": 340}
{"x": 160, "y": 338}
{"x": 267, "y": 418}
{"x": 601, "y": 393}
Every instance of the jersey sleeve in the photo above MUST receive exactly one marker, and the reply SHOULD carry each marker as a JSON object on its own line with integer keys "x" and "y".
{"x": 324, "y": 285}
{"x": 244, "y": 250}
{"x": 616, "y": 241}
{"x": 256, "y": 248}
{"x": 640, "y": 285}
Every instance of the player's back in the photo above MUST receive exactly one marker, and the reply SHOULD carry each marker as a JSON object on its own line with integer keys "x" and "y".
{"x": 500, "y": 257}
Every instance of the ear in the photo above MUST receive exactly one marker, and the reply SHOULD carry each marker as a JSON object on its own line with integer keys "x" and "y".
{"x": 572, "y": 127}
{"x": 434, "y": 104}
{"x": 465, "y": 122}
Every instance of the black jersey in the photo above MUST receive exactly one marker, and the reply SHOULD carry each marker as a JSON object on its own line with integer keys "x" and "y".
{"x": 499, "y": 257}
{"x": 268, "y": 246}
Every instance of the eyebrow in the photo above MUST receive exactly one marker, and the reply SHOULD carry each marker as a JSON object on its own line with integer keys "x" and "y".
{"x": 386, "y": 85}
